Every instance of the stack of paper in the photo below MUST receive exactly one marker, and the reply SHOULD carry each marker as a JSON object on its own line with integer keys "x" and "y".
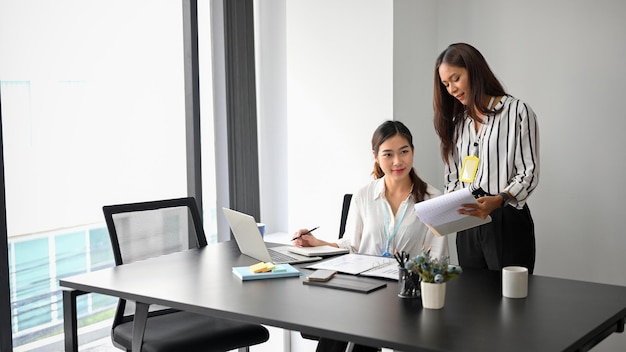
{"x": 361, "y": 264}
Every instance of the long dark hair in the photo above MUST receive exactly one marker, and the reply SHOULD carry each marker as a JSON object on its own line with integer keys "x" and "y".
{"x": 385, "y": 131}
{"x": 448, "y": 110}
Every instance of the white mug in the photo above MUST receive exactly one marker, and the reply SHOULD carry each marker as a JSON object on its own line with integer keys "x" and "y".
{"x": 514, "y": 282}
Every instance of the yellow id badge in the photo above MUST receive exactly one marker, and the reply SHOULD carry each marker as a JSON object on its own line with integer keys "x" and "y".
{"x": 470, "y": 166}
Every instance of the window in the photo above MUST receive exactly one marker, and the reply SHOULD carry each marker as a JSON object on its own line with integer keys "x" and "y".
{"x": 93, "y": 113}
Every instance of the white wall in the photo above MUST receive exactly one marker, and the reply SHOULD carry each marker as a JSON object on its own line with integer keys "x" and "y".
{"x": 271, "y": 62}
{"x": 414, "y": 45}
{"x": 414, "y": 48}
{"x": 338, "y": 88}
{"x": 339, "y": 80}
{"x": 564, "y": 58}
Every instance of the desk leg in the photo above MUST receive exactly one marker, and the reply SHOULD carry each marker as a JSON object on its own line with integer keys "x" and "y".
{"x": 70, "y": 319}
{"x": 350, "y": 346}
{"x": 286, "y": 340}
{"x": 139, "y": 324}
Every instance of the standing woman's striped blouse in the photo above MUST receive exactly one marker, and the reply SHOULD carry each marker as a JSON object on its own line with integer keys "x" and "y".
{"x": 508, "y": 147}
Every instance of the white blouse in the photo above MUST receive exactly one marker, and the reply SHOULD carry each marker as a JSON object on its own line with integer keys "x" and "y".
{"x": 365, "y": 225}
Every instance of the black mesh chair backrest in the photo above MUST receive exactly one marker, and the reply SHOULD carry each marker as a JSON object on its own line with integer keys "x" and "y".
{"x": 150, "y": 229}
{"x": 345, "y": 207}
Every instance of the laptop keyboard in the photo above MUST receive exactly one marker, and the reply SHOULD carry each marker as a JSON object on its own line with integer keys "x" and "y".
{"x": 278, "y": 257}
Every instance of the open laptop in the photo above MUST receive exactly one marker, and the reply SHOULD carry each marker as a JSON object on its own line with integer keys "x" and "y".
{"x": 251, "y": 242}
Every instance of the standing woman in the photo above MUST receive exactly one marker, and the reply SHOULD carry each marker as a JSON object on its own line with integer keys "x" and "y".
{"x": 489, "y": 144}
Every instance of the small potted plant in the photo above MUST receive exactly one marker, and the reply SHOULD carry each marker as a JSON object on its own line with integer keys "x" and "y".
{"x": 434, "y": 273}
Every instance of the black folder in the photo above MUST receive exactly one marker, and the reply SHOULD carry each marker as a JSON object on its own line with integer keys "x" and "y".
{"x": 349, "y": 283}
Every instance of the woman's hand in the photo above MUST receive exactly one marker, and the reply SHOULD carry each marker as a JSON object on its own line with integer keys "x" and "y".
{"x": 483, "y": 207}
{"x": 308, "y": 240}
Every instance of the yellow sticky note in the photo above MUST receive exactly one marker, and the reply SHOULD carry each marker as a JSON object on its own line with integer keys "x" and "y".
{"x": 259, "y": 267}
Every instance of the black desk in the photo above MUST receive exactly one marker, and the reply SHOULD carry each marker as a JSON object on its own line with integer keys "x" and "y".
{"x": 558, "y": 315}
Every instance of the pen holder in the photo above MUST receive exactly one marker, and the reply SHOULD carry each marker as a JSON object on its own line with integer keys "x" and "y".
{"x": 408, "y": 284}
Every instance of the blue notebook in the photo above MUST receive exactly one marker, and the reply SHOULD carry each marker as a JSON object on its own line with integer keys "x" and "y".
{"x": 281, "y": 270}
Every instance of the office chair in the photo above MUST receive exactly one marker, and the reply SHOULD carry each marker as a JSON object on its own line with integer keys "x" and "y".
{"x": 347, "y": 198}
{"x": 150, "y": 229}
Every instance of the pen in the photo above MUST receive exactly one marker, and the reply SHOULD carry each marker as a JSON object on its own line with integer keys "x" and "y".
{"x": 306, "y": 233}
{"x": 402, "y": 258}
{"x": 399, "y": 259}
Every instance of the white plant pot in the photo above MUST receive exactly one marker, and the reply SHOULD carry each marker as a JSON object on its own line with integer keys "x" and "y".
{"x": 433, "y": 295}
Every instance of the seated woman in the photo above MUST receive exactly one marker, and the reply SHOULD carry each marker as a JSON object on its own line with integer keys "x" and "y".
{"x": 381, "y": 219}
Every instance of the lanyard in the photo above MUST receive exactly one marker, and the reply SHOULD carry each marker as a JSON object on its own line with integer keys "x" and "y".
{"x": 478, "y": 135}
{"x": 391, "y": 235}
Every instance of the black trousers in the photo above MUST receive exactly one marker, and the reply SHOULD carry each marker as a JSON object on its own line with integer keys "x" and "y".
{"x": 509, "y": 239}
{"x": 328, "y": 345}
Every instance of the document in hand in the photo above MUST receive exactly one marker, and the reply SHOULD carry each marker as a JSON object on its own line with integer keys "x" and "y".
{"x": 440, "y": 213}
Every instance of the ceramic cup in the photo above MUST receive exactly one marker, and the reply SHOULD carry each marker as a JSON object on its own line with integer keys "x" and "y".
{"x": 514, "y": 282}
{"x": 261, "y": 227}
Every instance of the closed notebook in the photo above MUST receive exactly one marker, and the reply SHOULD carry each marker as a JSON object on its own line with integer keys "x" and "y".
{"x": 319, "y": 251}
{"x": 281, "y": 270}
